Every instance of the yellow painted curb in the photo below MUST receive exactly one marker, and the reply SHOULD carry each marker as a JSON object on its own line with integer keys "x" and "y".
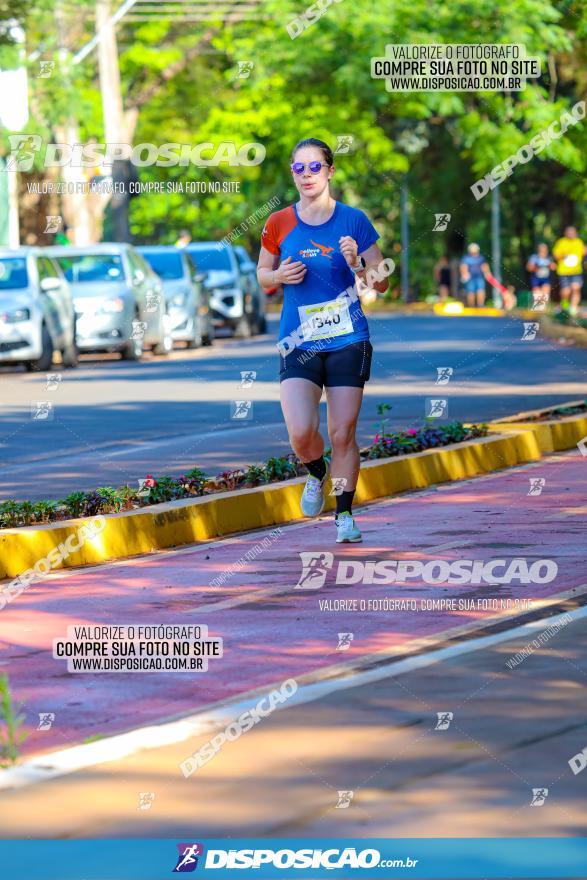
{"x": 191, "y": 520}
{"x": 552, "y": 436}
{"x": 466, "y": 312}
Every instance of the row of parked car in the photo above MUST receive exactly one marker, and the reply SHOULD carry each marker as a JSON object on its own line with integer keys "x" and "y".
{"x": 115, "y": 297}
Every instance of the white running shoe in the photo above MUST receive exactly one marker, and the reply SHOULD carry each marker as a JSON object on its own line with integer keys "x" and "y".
{"x": 346, "y": 530}
{"x": 313, "y": 500}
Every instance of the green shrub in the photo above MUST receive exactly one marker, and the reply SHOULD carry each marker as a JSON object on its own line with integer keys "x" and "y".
{"x": 194, "y": 482}
{"x": 11, "y": 722}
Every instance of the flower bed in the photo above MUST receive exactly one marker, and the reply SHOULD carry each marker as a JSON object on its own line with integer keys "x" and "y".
{"x": 562, "y": 316}
{"x": 194, "y": 483}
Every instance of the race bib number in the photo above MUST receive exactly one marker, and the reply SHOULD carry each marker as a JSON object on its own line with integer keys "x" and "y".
{"x": 543, "y": 272}
{"x": 571, "y": 260}
{"x": 326, "y": 319}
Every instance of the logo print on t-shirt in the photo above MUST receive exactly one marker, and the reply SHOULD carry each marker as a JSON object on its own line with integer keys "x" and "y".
{"x": 319, "y": 250}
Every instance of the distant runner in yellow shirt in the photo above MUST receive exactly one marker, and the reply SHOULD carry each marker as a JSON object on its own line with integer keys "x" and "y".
{"x": 568, "y": 253}
{"x": 183, "y": 238}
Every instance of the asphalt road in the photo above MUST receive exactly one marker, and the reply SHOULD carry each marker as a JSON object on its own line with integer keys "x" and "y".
{"x": 115, "y": 422}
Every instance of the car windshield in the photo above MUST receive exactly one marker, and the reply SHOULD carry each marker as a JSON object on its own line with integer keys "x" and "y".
{"x": 92, "y": 267}
{"x": 13, "y": 273}
{"x": 166, "y": 264}
{"x": 211, "y": 259}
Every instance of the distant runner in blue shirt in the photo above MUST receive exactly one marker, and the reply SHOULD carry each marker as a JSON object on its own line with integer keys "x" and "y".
{"x": 540, "y": 266}
{"x": 474, "y": 267}
{"x": 317, "y": 249}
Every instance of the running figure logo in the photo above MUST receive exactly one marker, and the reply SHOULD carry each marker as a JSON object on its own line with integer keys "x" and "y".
{"x": 22, "y": 151}
{"x": 138, "y": 329}
{"x": 188, "y": 857}
{"x": 244, "y": 69}
{"x": 539, "y": 795}
{"x": 344, "y": 143}
{"x": 444, "y": 719}
{"x": 536, "y": 485}
{"x": 540, "y": 302}
{"x": 441, "y": 222}
{"x": 530, "y": 330}
{"x": 436, "y": 408}
{"x": 315, "y": 567}
{"x": 53, "y": 223}
{"x": 344, "y": 641}
{"x": 152, "y": 301}
{"x": 344, "y": 800}
{"x": 338, "y": 485}
{"x": 46, "y": 68}
{"x": 241, "y": 409}
{"x": 46, "y": 720}
{"x": 444, "y": 374}
{"x": 42, "y": 410}
{"x": 146, "y": 799}
{"x": 53, "y": 381}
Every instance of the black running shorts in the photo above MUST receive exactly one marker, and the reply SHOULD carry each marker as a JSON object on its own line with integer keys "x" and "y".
{"x": 349, "y": 366}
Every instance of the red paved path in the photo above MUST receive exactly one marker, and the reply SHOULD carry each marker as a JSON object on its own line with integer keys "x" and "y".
{"x": 277, "y": 632}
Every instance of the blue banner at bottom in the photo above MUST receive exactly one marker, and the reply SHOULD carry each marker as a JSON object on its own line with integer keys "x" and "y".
{"x": 225, "y": 859}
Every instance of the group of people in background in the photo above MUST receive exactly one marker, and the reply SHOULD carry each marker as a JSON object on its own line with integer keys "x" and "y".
{"x": 566, "y": 260}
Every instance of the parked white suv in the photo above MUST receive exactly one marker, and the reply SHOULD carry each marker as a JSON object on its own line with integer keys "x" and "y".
{"x": 36, "y": 310}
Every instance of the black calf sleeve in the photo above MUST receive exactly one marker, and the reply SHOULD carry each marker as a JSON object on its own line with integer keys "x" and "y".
{"x": 317, "y": 468}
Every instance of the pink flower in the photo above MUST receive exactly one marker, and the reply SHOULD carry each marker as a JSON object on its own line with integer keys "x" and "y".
{"x": 411, "y": 432}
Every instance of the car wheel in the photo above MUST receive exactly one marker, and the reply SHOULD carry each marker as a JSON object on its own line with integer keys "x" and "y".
{"x": 242, "y": 328}
{"x": 46, "y": 359}
{"x": 197, "y": 340}
{"x": 209, "y": 336}
{"x": 133, "y": 350}
{"x": 164, "y": 347}
{"x": 70, "y": 356}
{"x": 261, "y": 324}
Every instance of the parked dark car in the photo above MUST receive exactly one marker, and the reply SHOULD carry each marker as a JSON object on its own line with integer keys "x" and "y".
{"x": 233, "y": 303}
{"x": 188, "y": 300}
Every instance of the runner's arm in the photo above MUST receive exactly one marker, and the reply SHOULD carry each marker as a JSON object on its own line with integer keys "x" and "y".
{"x": 373, "y": 257}
{"x": 271, "y": 273}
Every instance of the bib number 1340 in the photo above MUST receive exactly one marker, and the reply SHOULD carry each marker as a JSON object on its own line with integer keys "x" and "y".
{"x": 323, "y": 320}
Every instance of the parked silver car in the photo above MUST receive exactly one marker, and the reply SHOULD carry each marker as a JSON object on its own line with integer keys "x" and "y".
{"x": 118, "y": 299}
{"x": 233, "y": 304}
{"x": 188, "y": 301}
{"x": 36, "y": 310}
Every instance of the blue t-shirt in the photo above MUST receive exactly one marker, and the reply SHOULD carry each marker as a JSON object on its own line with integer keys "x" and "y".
{"x": 541, "y": 267}
{"x": 311, "y": 316}
{"x": 474, "y": 263}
